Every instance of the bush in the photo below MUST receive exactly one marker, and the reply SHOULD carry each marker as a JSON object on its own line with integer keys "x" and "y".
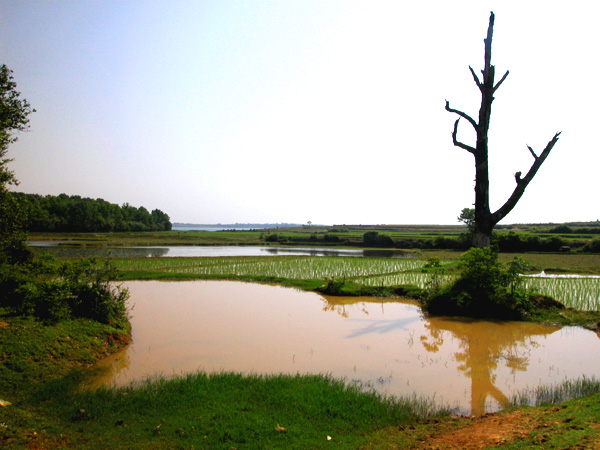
{"x": 52, "y": 292}
{"x": 485, "y": 288}
{"x": 592, "y": 247}
{"x": 374, "y": 239}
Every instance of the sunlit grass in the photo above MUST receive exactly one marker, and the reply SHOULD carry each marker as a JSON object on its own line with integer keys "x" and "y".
{"x": 301, "y": 267}
{"x": 558, "y": 393}
{"x": 577, "y": 293}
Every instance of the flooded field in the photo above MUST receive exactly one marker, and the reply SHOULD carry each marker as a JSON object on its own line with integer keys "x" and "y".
{"x": 473, "y": 365}
{"x": 64, "y": 249}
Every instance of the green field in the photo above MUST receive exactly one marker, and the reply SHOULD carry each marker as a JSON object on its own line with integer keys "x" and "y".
{"x": 577, "y": 293}
{"x": 42, "y": 366}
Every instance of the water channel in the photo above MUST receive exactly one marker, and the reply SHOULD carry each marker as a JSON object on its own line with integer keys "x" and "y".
{"x": 64, "y": 249}
{"x": 471, "y": 365}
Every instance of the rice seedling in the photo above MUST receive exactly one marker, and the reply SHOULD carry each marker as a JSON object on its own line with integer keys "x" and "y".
{"x": 557, "y": 393}
{"x": 582, "y": 293}
{"x": 294, "y": 268}
{"x": 417, "y": 279}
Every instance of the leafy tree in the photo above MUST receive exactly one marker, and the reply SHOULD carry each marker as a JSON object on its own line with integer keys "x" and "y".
{"x": 14, "y": 118}
{"x": 467, "y": 216}
{"x": 77, "y": 214}
{"x": 374, "y": 239}
{"x": 485, "y": 220}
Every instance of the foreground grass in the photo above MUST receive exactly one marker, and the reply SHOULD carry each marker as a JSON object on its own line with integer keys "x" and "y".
{"x": 43, "y": 367}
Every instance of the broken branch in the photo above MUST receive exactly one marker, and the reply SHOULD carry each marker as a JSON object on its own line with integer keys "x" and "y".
{"x": 523, "y": 182}
{"x": 476, "y": 78}
{"x": 461, "y": 114}
{"x": 460, "y": 144}
{"x": 500, "y": 82}
{"x": 532, "y": 152}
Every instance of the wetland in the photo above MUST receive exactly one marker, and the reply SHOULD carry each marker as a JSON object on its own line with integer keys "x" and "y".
{"x": 473, "y": 366}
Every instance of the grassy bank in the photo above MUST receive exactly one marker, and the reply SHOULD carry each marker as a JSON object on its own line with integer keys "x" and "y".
{"x": 383, "y": 277}
{"x": 43, "y": 407}
{"x": 43, "y": 366}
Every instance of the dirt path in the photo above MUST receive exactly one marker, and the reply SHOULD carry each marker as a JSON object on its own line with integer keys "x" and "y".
{"x": 486, "y": 431}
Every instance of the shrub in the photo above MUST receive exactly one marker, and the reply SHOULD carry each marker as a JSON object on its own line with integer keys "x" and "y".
{"x": 374, "y": 239}
{"x": 52, "y": 293}
{"x": 593, "y": 246}
{"x": 485, "y": 288}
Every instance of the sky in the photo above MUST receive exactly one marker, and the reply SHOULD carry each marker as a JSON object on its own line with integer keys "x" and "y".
{"x": 269, "y": 111}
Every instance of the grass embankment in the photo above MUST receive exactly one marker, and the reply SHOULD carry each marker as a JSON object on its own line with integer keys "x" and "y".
{"x": 42, "y": 366}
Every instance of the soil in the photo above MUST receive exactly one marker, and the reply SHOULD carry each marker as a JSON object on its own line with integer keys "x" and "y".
{"x": 535, "y": 426}
{"x": 486, "y": 431}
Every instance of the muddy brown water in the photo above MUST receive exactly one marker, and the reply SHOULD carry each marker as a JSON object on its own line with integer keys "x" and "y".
{"x": 180, "y": 327}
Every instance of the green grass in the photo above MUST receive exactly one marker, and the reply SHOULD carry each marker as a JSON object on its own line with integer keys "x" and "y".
{"x": 311, "y": 273}
{"x": 230, "y": 410}
{"x": 558, "y": 393}
{"x": 43, "y": 367}
{"x": 569, "y": 425}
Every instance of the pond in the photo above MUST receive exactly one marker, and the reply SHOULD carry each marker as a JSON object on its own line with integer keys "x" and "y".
{"x": 471, "y": 365}
{"x": 56, "y": 249}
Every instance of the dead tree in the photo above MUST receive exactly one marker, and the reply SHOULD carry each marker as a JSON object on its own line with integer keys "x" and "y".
{"x": 485, "y": 220}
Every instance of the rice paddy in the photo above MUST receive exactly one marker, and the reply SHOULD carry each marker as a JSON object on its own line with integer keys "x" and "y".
{"x": 293, "y": 268}
{"x": 582, "y": 293}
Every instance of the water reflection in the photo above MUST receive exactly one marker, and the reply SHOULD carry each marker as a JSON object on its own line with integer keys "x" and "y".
{"x": 105, "y": 252}
{"x": 213, "y": 326}
{"x": 483, "y": 346}
{"x": 64, "y": 249}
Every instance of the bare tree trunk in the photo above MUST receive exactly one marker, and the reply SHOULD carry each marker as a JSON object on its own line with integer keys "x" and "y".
{"x": 485, "y": 221}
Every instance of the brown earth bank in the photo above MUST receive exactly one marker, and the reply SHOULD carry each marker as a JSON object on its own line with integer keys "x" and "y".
{"x": 551, "y": 427}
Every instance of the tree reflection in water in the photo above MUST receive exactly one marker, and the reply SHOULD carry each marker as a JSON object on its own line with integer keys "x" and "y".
{"x": 484, "y": 345}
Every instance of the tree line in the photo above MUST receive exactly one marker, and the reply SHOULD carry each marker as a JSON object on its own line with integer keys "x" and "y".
{"x": 64, "y": 213}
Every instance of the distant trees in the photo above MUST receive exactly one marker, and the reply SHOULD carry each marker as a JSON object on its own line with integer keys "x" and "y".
{"x": 374, "y": 239}
{"x": 76, "y": 214}
{"x": 485, "y": 220}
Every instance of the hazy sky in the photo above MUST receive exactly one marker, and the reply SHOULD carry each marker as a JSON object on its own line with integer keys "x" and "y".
{"x": 295, "y": 111}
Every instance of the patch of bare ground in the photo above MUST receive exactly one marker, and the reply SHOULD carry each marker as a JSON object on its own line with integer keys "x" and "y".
{"x": 486, "y": 431}
{"x": 545, "y": 427}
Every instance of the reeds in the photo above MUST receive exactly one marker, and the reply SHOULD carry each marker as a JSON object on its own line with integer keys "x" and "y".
{"x": 557, "y": 393}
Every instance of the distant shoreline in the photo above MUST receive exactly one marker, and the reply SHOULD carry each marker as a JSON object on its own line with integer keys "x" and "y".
{"x": 222, "y": 226}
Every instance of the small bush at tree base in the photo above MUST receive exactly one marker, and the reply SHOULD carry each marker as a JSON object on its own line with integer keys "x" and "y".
{"x": 485, "y": 288}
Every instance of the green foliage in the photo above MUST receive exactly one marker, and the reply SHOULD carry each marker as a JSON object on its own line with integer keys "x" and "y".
{"x": 14, "y": 112}
{"x": 436, "y": 269}
{"x": 63, "y": 213}
{"x": 374, "y": 239}
{"x": 467, "y": 216}
{"x": 53, "y": 292}
{"x": 485, "y": 288}
{"x": 593, "y": 246}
